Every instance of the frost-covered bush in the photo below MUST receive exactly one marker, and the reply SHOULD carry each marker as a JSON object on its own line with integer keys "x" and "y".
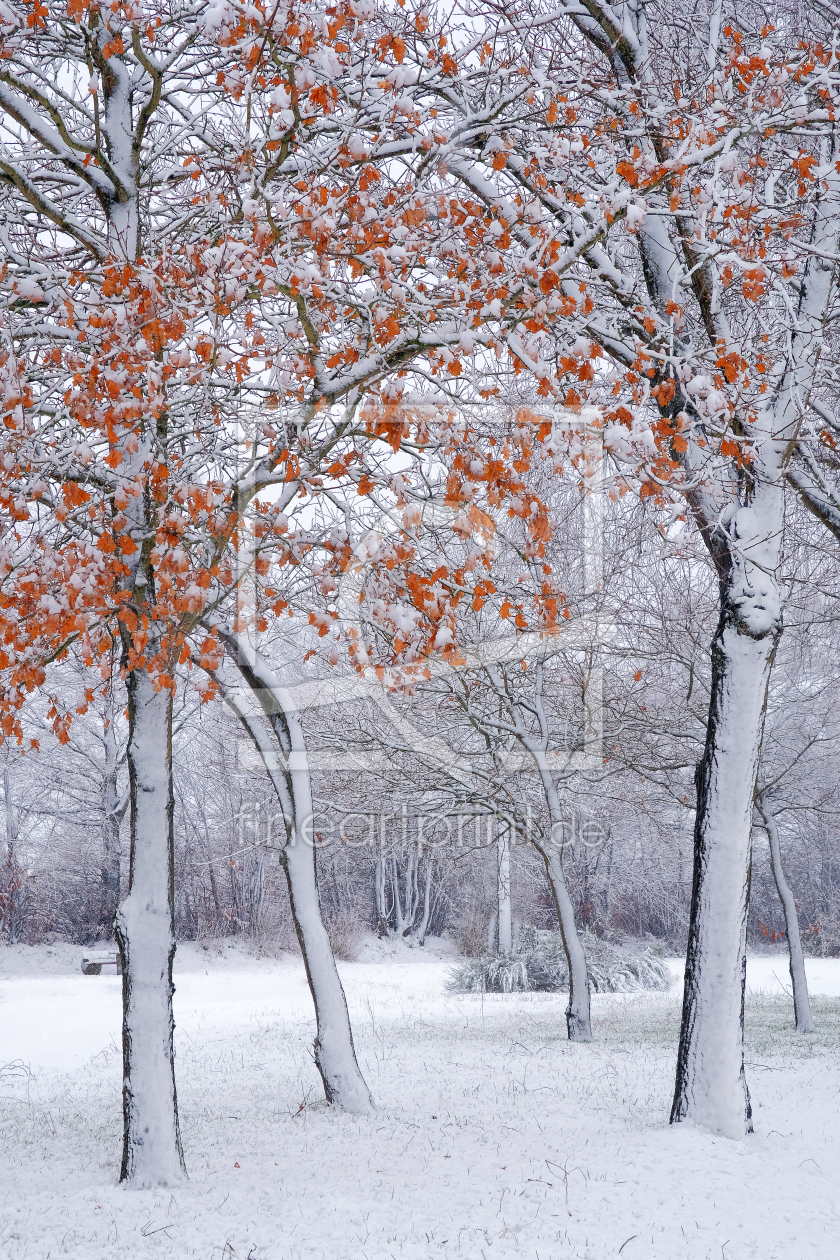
{"x": 539, "y": 964}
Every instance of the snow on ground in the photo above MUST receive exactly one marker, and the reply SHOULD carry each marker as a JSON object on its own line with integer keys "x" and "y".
{"x": 494, "y": 1136}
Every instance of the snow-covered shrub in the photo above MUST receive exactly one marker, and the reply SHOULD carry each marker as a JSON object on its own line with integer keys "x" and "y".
{"x": 494, "y": 973}
{"x": 538, "y": 964}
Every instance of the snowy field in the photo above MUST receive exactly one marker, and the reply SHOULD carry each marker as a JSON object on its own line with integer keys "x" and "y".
{"x": 494, "y": 1136}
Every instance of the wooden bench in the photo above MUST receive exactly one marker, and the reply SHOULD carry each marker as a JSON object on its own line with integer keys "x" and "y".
{"x": 95, "y": 962}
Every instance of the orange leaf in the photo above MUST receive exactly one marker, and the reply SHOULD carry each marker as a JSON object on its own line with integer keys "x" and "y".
{"x": 628, "y": 172}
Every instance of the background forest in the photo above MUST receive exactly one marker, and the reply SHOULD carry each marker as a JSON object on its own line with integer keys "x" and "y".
{"x": 390, "y": 826}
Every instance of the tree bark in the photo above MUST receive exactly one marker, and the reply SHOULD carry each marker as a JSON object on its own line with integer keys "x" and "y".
{"x": 801, "y": 1002}
{"x": 744, "y": 539}
{"x": 335, "y": 1054}
{"x": 111, "y": 869}
{"x": 711, "y": 1088}
{"x": 13, "y": 881}
{"x": 578, "y": 1011}
{"x": 503, "y": 865}
{"x": 145, "y": 930}
{"x": 113, "y": 809}
{"x": 427, "y": 901}
{"x": 382, "y": 912}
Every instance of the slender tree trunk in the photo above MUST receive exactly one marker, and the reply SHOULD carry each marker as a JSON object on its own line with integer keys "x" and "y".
{"x": 256, "y": 892}
{"x": 412, "y": 894}
{"x": 113, "y": 809}
{"x": 152, "y": 1154}
{"x": 503, "y": 865}
{"x": 382, "y": 913}
{"x": 11, "y": 861}
{"x": 335, "y": 1054}
{"x": 578, "y": 1011}
{"x": 711, "y": 1088}
{"x": 235, "y": 890}
{"x": 111, "y": 867}
{"x": 286, "y": 761}
{"x": 400, "y": 915}
{"x": 801, "y": 1002}
{"x": 214, "y": 888}
{"x": 427, "y": 901}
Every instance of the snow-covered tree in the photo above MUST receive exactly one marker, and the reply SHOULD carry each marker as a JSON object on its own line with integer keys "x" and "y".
{"x": 691, "y": 184}
{"x": 222, "y": 227}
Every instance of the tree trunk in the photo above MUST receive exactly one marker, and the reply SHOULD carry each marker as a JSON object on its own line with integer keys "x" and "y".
{"x": 152, "y": 1154}
{"x": 13, "y": 882}
{"x": 382, "y": 912}
{"x": 335, "y": 1054}
{"x": 256, "y": 892}
{"x": 578, "y": 1018}
{"x": 801, "y": 1002}
{"x": 503, "y": 863}
{"x": 427, "y": 901}
{"x": 742, "y": 524}
{"x": 111, "y": 864}
{"x": 112, "y": 815}
{"x": 401, "y": 919}
{"x": 578, "y": 1012}
{"x": 711, "y": 1088}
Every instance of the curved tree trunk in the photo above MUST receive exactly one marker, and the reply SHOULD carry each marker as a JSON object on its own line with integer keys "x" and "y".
{"x": 152, "y": 1153}
{"x": 801, "y": 1002}
{"x": 578, "y": 1011}
{"x": 335, "y": 1054}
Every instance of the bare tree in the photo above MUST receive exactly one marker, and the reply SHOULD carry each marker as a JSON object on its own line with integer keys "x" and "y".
{"x": 798, "y": 979}
{"x": 284, "y": 756}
